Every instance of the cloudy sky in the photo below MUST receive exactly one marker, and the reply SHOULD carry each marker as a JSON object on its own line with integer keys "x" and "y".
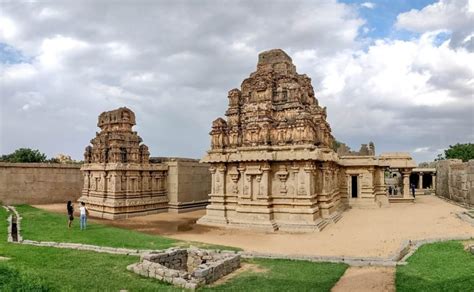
{"x": 399, "y": 73}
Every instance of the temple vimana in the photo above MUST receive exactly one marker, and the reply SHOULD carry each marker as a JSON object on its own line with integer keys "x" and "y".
{"x": 274, "y": 163}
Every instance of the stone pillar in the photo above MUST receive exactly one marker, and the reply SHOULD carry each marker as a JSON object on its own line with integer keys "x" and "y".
{"x": 265, "y": 181}
{"x": 420, "y": 180}
{"x": 406, "y": 183}
{"x": 433, "y": 181}
{"x": 295, "y": 170}
{"x": 212, "y": 170}
{"x": 349, "y": 186}
{"x": 309, "y": 171}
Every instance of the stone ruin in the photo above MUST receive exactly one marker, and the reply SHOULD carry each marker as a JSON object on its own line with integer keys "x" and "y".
{"x": 119, "y": 180}
{"x": 187, "y": 268}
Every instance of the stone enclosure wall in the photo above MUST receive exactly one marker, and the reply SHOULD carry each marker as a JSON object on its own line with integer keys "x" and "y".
{"x": 39, "y": 183}
{"x": 188, "y": 183}
{"x": 455, "y": 180}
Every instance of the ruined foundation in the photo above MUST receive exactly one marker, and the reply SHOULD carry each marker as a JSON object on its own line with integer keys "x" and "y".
{"x": 188, "y": 268}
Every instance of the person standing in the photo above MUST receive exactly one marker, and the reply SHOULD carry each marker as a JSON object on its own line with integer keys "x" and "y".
{"x": 84, "y": 212}
{"x": 70, "y": 213}
{"x": 413, "y": 190}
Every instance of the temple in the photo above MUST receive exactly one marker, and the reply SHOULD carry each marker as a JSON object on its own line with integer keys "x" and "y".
{"x": 274, "y": 164}
{"x": 119, "y": 180}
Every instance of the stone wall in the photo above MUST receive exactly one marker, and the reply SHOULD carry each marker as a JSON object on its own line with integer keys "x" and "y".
{"x": 189, "y": 183}
{"x": 455, "y": 180}
{"x": 39, "y": 183}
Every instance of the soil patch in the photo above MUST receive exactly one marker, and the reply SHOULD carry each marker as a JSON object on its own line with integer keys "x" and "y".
{"x": 366, "y": 279}
{"x": 244, "y": 268}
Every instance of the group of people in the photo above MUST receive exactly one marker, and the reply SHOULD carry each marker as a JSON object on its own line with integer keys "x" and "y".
{"x": 83, "y": 214}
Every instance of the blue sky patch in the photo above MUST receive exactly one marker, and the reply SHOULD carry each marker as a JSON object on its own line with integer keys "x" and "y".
{"x": 10, "y": 55}
{"x": 382, "y": 17}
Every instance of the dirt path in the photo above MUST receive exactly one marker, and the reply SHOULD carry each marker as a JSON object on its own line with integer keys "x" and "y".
{"x": 366, "y": 279}
{"x": 360, "y": 232}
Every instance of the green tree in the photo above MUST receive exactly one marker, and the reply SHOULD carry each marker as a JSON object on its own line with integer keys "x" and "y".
{"x": 458, "y": 151}
{"x": 24, "y": 155}
{"x": 336, "y": 144}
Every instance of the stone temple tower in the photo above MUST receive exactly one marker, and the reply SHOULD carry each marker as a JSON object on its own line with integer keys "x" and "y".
{"x": 119, "y": 180}
{"x": 272, "y": 161}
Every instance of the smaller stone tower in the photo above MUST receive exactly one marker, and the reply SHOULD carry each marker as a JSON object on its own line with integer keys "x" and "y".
{"x": 119, "y": 180}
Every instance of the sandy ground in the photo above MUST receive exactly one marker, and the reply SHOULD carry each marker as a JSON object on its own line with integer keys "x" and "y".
{"x": 360, "y": 232}
{"x": 366, "y": 279}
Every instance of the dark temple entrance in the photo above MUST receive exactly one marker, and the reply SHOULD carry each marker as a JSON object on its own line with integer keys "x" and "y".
{"x": 354, "y": 186}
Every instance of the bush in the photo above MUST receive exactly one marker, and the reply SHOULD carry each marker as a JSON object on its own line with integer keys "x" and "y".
{"x": 24, "y": 155}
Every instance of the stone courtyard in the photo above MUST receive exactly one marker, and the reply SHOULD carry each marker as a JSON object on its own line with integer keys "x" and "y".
{"x": 368, "y": 233}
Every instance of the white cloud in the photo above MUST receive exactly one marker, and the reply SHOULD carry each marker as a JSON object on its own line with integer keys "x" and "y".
{"x": 369, "y": 5}
{"x": 421, "y": 149}
{"x": 456, "y": 16}
{"x": 54, "y": 51}
{"x": 8, "y": 29}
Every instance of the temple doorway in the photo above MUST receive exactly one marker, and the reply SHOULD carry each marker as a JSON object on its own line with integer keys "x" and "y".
{"x": 354, "y": 186}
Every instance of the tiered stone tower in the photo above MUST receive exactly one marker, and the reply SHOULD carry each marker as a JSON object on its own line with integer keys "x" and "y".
{"x": 119, "y": 180}
{"x": 272, "y": 161}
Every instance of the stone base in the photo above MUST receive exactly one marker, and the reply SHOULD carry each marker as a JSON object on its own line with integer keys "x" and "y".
{"x": 315, "y": 226}
{"x": 187, "y": 207}
{"x": 206, "y": 220}
{"x": 114, "y": 216}
{"x": 123, "y": 208}
{"x": 270, "y": 225}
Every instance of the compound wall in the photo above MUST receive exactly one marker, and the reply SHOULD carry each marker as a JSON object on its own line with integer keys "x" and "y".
{"x": 455, "y": 180}
{"x": 39, "y": 183}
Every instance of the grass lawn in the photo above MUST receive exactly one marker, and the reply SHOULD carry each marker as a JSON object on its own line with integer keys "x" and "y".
{"x": 50, "y": 269}
{"x": 443, "y": 266}
{"x": 46, "y": 226}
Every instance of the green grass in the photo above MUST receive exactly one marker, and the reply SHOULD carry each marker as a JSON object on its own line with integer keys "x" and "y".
{"x": 41, "y": 225}
{"x": 45, "y": 226}
{"x": 443, "y": 266}
{"x": 50, "y": 269}
{"x": 286, "y": 275}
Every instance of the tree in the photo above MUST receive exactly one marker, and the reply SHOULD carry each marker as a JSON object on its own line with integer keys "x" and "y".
{"x": 464, "y": 152}
{"x": 24, "y": 155}
{"x": 336, "y": 144}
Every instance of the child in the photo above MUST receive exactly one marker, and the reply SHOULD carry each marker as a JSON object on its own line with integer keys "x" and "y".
{"x": 70, "y": 213}
{"x": 83, "y": 217}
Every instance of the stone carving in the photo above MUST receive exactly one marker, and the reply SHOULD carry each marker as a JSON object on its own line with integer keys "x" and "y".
{"x": 117, "y": 170}
{"x": 275, "y": 106}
